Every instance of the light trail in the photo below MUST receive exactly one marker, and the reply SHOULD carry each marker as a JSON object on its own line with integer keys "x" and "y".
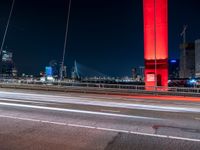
{"x": 79, "y": 111}
{"x": 95, "y": 102}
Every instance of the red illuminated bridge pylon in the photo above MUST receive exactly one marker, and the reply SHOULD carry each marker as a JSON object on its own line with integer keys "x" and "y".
{"x": 156, "y": 42}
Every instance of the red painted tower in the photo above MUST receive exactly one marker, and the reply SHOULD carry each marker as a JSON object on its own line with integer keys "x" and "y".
{"x": 156, "y": 42}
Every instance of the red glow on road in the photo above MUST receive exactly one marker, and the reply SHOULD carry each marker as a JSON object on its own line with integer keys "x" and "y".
{"x": 166, "y": 98}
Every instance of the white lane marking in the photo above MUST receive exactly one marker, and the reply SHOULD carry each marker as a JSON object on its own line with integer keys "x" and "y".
{"x": 112, "y": 111}
{"x": 184, "y": 139}
{"x": 24, "y": 101}
{"x": 197, "y": 119}
{"x": 56, "y": 123}
{"x": 113, "y": 130}
{"x": 19, "y": 118}
{"x": 103, "y": 129}
{"x": 79, "y": 111}
{"x": 149, "y": 134}
{"x": 81, "y": 126}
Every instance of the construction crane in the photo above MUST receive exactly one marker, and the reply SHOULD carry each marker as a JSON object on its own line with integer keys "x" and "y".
{"x": 183, "y": 34}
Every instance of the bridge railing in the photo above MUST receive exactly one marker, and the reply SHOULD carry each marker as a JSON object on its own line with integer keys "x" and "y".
{"x": 102, "y": 86}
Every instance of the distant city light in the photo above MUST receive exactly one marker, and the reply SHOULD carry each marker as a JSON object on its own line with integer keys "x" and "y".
{"x": 173, "y": 61}
{"x": 48, "y": 71}
{"x": 193, "y": 81}
{"x": 50, "y": 78}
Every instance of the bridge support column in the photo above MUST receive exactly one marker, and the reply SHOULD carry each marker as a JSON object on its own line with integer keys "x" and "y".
{"x": 156, "y": 43}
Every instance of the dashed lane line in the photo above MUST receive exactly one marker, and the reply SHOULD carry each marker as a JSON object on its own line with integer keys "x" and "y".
{"x": 102, "y": 129}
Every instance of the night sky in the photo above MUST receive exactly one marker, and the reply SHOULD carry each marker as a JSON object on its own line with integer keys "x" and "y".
{"x": 106, "y": 35}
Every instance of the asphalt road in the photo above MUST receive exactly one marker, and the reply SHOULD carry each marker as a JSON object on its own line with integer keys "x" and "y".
{"x": 39, "y": 120}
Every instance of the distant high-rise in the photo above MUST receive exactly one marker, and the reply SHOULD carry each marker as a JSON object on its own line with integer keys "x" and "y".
{"x": 187, "y": 60}
{"x": 174, "y": 68}
{"x": 197, "y": 58}
{"x": 7, "y": 64}
{"x": 6, "y": 56}
{"x": 55, "y": 68}
{"x": 141, "y": 71}
{"x": 134, "y": 73}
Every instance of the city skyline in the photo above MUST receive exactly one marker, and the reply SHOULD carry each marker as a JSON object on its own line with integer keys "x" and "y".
{"x": 114, "y": 30}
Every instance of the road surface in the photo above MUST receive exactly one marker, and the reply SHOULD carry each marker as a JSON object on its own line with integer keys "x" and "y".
{"x": 38, "y": 120}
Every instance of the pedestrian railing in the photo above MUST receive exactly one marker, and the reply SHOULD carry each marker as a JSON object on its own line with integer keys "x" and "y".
{"x": 100, "y": 87}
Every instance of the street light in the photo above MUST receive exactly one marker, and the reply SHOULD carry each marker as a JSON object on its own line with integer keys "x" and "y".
{"x": 155, "y": 77}
{"x": 7, "y": 25}
{"x": 65, "y": 42}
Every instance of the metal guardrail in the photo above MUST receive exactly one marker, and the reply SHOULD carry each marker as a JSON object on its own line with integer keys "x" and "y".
{"x": 100, "y": 87}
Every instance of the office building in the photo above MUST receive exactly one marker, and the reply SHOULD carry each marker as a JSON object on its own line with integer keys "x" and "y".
{"x": 174, "y": 68}
{"x": 187, "y": 60}
{"x": 197, "y": 58}
{"x": 6, "y": 65}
